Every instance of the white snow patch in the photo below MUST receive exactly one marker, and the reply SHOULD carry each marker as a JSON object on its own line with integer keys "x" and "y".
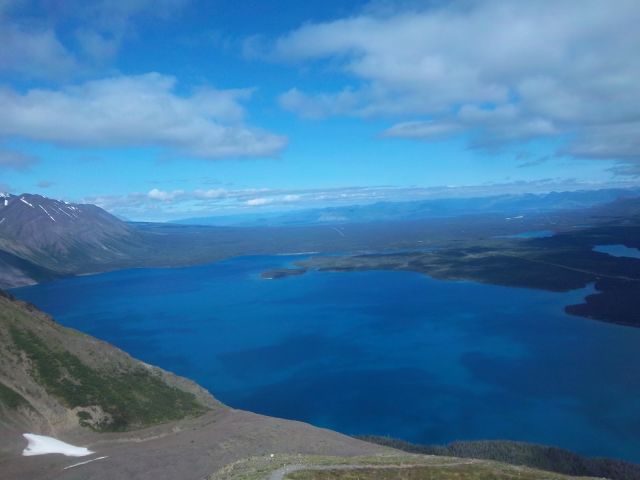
{"x": 65, "y": 212}
{"x": 42, "y": 445}
{"x": 2, "y": 221}
{"x": 6, "y": 201}
{"x": 24, "y": 201}
{"x": 45, "y": 211}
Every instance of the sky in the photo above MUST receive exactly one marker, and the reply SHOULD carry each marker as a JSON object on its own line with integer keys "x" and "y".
{"x": 166, "y": 109}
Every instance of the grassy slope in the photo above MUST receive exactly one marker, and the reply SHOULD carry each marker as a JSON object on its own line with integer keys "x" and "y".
{"x": 383, "y": 466}
{"x": 57, "y": 370}
{"x": 134, "y": 398}
{"x": 462, "y": 472}
{"x": 10, "y": 399}
{"x": 520, "y": 453}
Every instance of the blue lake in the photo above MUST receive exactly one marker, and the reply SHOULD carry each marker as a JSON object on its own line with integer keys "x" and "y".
{"x": 618, "y": 251}
{"x": 387, "y": 353}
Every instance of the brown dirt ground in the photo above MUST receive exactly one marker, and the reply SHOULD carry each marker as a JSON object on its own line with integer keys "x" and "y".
{"x": 184, "y": 450}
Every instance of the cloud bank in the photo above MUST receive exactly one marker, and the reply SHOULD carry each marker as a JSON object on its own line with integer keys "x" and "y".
{"x": 135, "y": 111}
{"x": 159, "y": 205}
{"x": 15, "y": 160}
{"x": 503, "y": 71}
{"x": 63, "y": 38}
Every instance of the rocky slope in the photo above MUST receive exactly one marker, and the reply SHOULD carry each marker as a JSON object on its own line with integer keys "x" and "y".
{"x": 16, "y": 271}
{"x": 41, "y": 237}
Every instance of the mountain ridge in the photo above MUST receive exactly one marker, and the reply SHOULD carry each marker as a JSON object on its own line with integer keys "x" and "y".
{"x": 506, "y": 204}
{"x": 57, "y": 238}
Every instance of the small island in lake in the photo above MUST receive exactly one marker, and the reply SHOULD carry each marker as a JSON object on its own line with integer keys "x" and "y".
{"x": 281, "y": 273}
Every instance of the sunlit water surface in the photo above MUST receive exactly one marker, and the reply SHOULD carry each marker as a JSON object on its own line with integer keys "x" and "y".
{"x": 379, "y": 352}
{"x": 618, "y": 250}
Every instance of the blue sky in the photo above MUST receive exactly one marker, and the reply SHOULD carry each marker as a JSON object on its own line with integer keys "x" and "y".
{"x": 174, "y": 108}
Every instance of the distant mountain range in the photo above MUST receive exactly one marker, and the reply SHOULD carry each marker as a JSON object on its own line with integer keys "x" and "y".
{"x": 508, "y": 205}
{"x": 42, "y": 238}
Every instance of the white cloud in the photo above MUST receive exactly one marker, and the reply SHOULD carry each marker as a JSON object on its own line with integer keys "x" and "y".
{"x": 15, "y": 160}
{"x": 258, "y": 202}
{"x": 163, "y": 195}
{"x": 291, "y": 198}
{"x": 33, "y": 52}
{"x": 44, "y": 39}
{"x": 424, "y": 130}
{"x": 620, "y": 140}
{"x": 320, "y": 105}
{"x": 510, "y": 71}
{"x": 211, "y": 193}
{"x": 176, "y": 204}
{"x": 132, "y": 111}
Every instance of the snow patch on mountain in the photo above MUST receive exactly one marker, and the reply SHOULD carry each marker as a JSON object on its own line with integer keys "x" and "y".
{"x": 22, "y": 199}
{"x": 45, "y": 211}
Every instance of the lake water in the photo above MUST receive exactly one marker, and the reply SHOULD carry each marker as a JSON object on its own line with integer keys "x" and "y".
{"x": 618, "y": 250}
{"x": 380, "y": 352}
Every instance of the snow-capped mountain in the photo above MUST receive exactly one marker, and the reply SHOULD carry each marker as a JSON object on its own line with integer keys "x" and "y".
{"x": 36, "y": 208}
{"x": 56, "y": 236}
